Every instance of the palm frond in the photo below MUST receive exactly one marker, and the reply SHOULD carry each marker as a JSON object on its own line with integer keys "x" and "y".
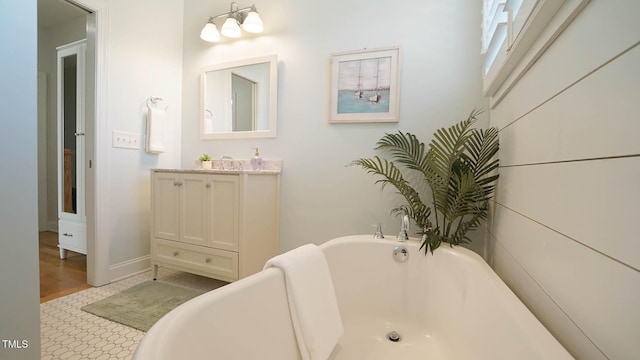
{"x": 463, "y": 199}
{"x": 481, "y": 148}
{"x": 392, "y": 175}
{"x": 459, "y": 237}
{"x": 445, "y": 150}
{"x": 405, "y": 148}
{"x": 431, "y": 241}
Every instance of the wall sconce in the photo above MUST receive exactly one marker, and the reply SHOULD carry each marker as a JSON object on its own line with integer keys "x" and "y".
{"x": 248, "y": 17}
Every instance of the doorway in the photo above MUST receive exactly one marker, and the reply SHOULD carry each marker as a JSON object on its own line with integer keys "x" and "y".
{"x": 243, "y": 109}
{"x": 56, "y": 20}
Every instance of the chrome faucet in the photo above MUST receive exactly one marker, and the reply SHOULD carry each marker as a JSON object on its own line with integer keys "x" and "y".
{"x": 378, "y": 234}
{"x": 222, "y": 159}
{"x": 404, "y": 229}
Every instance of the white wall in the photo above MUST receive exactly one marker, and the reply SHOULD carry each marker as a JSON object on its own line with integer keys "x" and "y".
{"x": 48, "y": 39}
{"x": 563, "y": 234}
{"x": 144, "y": 50}
{"x": 321, "y": 198}
{"x": 144, "y": 59}
{"x": 19, "y": 307}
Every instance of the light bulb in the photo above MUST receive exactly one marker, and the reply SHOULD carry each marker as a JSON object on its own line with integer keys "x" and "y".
{"x": 230, "y": 28}
{"x": 210, "y": 33}
{"x": 252, "y": 23}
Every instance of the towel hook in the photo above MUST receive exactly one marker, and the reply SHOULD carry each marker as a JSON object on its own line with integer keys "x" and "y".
{"x": 154, "y": 100}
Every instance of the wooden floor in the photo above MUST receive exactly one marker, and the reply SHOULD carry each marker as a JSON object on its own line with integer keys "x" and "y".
{"x": 60, "y": 277}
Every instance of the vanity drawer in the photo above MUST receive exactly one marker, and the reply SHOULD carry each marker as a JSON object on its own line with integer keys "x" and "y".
{"x": 219, "y": 264}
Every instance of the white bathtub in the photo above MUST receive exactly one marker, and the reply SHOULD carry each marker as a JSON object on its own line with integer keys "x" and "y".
{"x": 447, "y": 306}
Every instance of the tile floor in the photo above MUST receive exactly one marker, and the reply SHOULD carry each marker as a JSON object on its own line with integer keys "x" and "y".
{"x": 70, "y": 333}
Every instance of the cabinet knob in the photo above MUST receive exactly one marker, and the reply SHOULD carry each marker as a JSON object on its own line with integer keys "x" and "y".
{"x": 65, "y": 234}
{"x": 208, "y": 185}
{"x": 175, "y": 253}
{"x": 177, "y": 183}
{"x": 207, "y": 260}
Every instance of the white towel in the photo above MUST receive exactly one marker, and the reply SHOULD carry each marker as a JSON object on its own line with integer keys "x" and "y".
{"x": 312, "y": 300}
{"x": 155, "y": 130}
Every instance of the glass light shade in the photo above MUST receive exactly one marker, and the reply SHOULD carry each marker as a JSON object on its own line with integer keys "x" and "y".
{"x": 210, "y": 33}
{"x": 252, "y": 23}
{"x": 230, "y": 28}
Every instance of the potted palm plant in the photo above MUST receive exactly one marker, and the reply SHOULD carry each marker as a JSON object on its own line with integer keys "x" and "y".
{"x": 460, "y": 168}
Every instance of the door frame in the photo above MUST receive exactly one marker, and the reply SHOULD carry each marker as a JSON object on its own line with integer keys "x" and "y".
{"x": 96, "y": 161}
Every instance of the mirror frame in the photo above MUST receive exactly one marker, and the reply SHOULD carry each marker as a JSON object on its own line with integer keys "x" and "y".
{"x": 272, "y": 60}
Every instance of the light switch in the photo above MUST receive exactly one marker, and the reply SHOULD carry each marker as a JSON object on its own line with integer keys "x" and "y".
{"x": 126, "y": 140}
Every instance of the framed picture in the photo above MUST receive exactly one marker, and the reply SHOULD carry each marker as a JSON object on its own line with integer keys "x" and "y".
{"x": 365, "y": 86}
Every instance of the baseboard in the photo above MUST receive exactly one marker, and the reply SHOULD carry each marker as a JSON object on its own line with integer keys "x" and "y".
{"x": 53, "y": 225}
{"x": 129, "y": 268}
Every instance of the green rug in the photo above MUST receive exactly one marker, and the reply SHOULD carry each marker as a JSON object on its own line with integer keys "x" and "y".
{"x": 142, "y": 305}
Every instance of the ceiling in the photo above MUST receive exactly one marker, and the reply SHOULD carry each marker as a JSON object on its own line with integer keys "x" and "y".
{"x": 55, "y": 12}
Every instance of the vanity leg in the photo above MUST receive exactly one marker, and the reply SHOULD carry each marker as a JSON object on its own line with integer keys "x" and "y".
{"x": 63, "y": 253}
{"x": 155, "y": 272}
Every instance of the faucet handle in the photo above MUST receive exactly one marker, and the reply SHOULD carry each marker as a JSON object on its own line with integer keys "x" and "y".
{"x": 378, "y": 234}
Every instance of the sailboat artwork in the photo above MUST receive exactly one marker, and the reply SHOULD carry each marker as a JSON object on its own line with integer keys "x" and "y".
{"x": 359, "y": 91}
{"x": 364, "y": 85}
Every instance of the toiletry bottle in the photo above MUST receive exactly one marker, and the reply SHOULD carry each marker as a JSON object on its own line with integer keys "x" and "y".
{"x": 256, "y": 161}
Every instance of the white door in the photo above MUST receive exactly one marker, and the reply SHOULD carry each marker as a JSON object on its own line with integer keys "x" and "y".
{"x": 72, "y": 219}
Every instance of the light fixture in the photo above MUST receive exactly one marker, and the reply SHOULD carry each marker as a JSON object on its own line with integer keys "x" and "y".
{"x": 248, "y": 17}
{"x": 230, "y": 28}
{"x": 252, "y": 23}
{"x": 210, "y": 32}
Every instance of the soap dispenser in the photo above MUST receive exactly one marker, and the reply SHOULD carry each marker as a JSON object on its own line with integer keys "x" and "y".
{"x": 256, "y": 161}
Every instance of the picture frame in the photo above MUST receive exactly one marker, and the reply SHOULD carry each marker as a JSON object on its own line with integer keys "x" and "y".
{"x": 365, "y": 86}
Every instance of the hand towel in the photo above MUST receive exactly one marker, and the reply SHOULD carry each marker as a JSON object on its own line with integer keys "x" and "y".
{"x": 312, "y": 300}
{"x": 155, "y": 130}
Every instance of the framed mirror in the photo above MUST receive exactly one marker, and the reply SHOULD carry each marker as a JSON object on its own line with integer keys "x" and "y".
{"x": 239, "y": 99}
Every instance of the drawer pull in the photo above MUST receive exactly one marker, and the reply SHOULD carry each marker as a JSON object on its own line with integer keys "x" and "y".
{"x": 65, "y": 234}
{"x": 175, "y": 253}
{"x": 207, "y": 260}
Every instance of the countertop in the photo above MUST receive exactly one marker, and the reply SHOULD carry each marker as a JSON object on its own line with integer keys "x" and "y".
{"x": 271, "y": 167}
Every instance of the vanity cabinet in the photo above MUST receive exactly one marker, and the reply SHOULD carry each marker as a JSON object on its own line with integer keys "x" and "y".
{"x": 219, "y": 225}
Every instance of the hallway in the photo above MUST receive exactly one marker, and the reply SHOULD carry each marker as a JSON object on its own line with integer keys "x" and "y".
{"x": 59, "y": 277}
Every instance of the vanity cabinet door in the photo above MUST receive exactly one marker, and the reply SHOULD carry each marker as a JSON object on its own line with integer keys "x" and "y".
{"x": 224, "y": 211}
{"x": 166, "y": 205}
{"x": 193, "y": 209}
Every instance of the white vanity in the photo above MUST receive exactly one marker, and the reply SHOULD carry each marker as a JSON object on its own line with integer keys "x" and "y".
{"x": 221, "y": 224}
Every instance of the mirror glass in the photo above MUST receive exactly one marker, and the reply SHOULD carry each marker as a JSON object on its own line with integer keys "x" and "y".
{"x": 69, "y": 124}
{"x": 239, "y": 99}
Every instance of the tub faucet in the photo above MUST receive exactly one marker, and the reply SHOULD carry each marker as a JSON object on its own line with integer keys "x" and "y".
{"x": 404, "y": 229}
{"x": 222, "y": 159}
{"x": 378, "y": 234}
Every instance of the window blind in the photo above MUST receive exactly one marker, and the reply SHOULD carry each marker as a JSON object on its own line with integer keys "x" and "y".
{"x": 511, "y": 27}
{"x": 498, "y": 27}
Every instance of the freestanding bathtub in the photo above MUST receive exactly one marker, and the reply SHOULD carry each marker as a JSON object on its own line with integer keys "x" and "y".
{"x": 449, "y": 305}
